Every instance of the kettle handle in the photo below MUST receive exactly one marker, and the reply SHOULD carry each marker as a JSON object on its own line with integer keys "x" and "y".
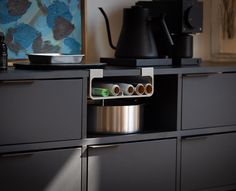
{"x": 108, "y": 27}
{"x": 163, "y": 22}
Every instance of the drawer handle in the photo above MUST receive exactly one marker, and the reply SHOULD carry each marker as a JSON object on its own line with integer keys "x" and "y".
{"x": 103, "y": 146}
{"x": 196, "y": 75}
{"x": 195, "y": 138}
{"x": 202, "y": 74}
{"x": 17, "y": 82}
{"x": 16, "y": 155}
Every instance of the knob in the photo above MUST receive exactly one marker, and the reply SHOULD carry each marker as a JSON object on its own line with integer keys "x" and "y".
{"x": 192, "y": 18}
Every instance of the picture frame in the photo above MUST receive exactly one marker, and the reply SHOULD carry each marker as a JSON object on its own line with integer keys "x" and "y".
{"x": 42, "y": 26}
{"x": 223, "y": 34}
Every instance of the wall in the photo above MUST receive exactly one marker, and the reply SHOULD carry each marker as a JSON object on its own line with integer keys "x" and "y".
{"x": 96, "y": 37}
{"x": 202, "y": 42}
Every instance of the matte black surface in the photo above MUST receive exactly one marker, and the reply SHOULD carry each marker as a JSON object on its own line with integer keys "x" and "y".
{"x": 160, "y": 111}
{"x": 165, "y": 114}
{"x": 134, "y": 166}
{"x": 209, "y": 100}
{"x": 56, "y": 170}
{"x": 186, "y": 61}
{"x": 181, "y": 17}
{"x": 205, "y": 67}
{"x": 208, "y": 162}
{"x": 136, "y": 38}
{"x": 129, "y": 62}
{"x": 40, "y": 110}
{"x": 183, "y": 46}
{"x": 14, "y": 74}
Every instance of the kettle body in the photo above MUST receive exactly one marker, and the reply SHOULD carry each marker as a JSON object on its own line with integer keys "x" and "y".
{"x": 136, "y": 39}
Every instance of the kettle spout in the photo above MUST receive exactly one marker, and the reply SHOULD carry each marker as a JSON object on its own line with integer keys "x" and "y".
{"x": 107, "y": 27}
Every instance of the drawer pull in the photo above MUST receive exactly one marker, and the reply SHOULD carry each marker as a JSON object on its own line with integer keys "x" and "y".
{"x": 17, "y": 82}
{"x": 195, "y": 138}
{"x": 16, "y": 155}
{"x": 196, "y": 75}
{"x": 103, "y": 146}
{"x": 202, "y": 74}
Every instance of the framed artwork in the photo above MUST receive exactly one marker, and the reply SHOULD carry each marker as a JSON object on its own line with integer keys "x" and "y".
{"x": 42, "y": 26}
{"x": 223, "y": 29}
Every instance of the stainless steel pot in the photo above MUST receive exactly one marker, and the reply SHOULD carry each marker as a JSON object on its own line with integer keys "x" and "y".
{"x": 115, "y": 119}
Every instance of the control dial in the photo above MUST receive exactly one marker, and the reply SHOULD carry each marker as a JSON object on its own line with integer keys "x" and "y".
{"x": 191, "y": 16}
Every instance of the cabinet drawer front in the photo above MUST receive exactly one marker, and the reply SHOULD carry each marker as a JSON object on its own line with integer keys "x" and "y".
{"x": 209, "y": 101}
{"x": 56, "y": 170}
{"x": 133, "y": 166}
{"x": 41, "y": 110}
{"x": 208, "y": 162}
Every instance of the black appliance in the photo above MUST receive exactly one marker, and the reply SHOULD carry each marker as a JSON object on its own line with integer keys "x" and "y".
{"x": 136, "y": 45}
{"x": 136, "y": 38}
{"x": 183, "y": 18}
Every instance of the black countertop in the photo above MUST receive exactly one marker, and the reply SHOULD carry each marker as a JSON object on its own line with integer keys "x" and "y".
{"x": 206, "y": 67}
{"x": 21, "y": 74}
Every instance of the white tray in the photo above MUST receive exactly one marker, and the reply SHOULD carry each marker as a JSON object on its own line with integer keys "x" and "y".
{"x": 54, "y": 58}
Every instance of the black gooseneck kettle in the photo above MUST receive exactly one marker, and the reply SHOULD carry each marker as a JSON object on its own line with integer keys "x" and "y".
{"x": 136, "y": 38}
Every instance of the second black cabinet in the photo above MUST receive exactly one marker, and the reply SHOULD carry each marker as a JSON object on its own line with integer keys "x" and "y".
{"x": 208, "y": 162}
{"x": 135, "y": 166}
{"x": 53, "y": 170}
{"x": 208, "y": 100}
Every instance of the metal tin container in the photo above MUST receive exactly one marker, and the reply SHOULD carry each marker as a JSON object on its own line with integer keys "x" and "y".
{"x": 115, "y": 119}
{"x": 54, "y": 58}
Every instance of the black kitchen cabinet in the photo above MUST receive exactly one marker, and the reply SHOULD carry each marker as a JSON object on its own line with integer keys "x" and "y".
{"x": 53, "y": 170}
{"x": 208, "y": 162}
{"x": 135, "y": 166}
{"x": 187, "y": 141}
{"x": 209, "y": 100}
{"x": 40, "y": 110}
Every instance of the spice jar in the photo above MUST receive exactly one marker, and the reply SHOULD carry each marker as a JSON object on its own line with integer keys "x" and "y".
{"x": 3, "y": 53}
